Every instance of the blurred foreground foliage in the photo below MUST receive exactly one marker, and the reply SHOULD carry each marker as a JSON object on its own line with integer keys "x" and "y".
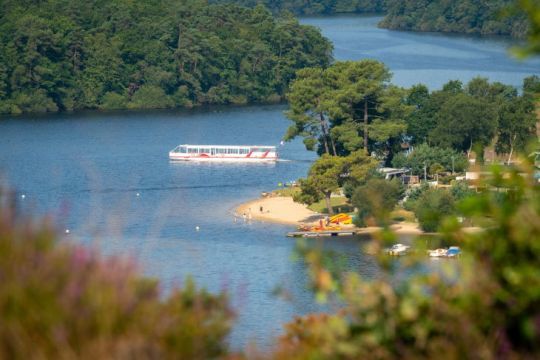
{"x": 486, "y": 305}
{"x": 60, "y": 301}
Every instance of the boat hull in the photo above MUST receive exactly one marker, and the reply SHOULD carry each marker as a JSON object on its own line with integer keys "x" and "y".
{"x": 176, "y": 157}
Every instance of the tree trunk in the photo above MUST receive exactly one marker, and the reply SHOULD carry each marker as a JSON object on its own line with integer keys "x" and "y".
{"x": 333, "y": 145}
{"x": 325, "y": 133}
{"x": 511, "y": 150}
{"x": 327, "y": 196}
{"x": 366, "y": 126}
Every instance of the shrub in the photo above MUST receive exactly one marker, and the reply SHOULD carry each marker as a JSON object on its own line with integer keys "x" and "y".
{"x": 413, "y": 195}
{"x": 66, "y": 301}
{"x": 34, "y": 101}
{"x": 432, "y": 207}
{"x": 150, "y": 97}
{"x": 486, "y": 305}
{"x": 436, "y": 160}
{"x": 113, "y": 101}
{"x": 376, "y": 199}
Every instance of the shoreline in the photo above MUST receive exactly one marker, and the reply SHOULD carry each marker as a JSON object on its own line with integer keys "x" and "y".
{"x": 283, "y": 210}
{"x": 278, "y": 209}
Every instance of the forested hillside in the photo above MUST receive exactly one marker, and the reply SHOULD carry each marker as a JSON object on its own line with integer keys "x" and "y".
{"x": 311, "y": 7}
{"x": 114, "y": 54}
{"x": 462, "y": 16}
{"x": 494, "y": 17}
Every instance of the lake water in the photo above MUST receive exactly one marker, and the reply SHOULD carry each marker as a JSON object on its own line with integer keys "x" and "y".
{"x": 86, "y": 169}
{"x": 427, "y": 58}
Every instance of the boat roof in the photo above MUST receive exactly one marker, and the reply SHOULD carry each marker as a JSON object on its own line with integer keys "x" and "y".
{"x": 230, "y": 146}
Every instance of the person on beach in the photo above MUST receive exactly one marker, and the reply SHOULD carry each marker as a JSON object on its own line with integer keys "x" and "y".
{"x": 261, "y": 209}
{"x": 249, "y": 214}
{"x": 244, "y": 216}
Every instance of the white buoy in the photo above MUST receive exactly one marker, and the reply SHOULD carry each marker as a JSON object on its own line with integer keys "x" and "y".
{"x": 67, "y": 231}
{"x": 138, "y": 194}
{"x": 23, "y": 196}
{"x": 197, "y": 228}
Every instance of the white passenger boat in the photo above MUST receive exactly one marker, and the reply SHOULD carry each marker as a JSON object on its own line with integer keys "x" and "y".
{"x": 225, "y": 153}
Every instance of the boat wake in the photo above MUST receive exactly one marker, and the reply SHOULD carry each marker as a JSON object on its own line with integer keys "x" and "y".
{"x": 165, "y": 188}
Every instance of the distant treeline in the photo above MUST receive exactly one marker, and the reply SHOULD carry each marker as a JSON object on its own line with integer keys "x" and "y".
{"x": 495, "y": 17}
{"x": 313, "y": 7}
{"x": 116, "y": 54}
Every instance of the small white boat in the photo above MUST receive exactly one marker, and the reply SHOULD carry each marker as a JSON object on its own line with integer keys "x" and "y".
{"x": 398, "y": 249}
{"x": 437, "y": 253}
{"x": 224, "y": 153}
{"x": 453, "y": 252}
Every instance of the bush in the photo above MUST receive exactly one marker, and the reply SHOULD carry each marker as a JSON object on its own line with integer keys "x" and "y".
{"x": 113, "y": 101}
{"x": 34, "y": 101}
{"x": 432, "y": 207}
{"x": 376, "y": 199}
{"x": 460, "y": 190}
{"x": 413, "y": 195}
{"x": 150, "y": 97}
{"x": 66, "y": 301}
{"x": 485, "y": 305}
{"x": 436, "y": 159}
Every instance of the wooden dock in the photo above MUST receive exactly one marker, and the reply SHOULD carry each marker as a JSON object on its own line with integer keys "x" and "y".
{"x": 324, "y": 233}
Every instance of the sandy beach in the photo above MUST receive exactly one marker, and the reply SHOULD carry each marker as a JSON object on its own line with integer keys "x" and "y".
{"x": 284, "y": 210}
{"x": 279, "y": 209}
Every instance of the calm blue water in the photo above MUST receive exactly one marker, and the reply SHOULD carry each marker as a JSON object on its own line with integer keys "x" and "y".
{"x": 427, "y": 58}
{"x": 85, "y": 170}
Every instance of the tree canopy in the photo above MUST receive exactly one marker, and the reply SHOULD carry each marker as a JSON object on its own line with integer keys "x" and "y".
{"x": 494, "y": 17}
{"x": 74, "y": 54}
{"x": 474, "y": 115}
{"x": 311, "y": 7}
{"x": 346, "y": 107}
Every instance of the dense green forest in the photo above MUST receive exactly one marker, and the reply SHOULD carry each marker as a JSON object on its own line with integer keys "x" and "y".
{"x": 115, "y": 54}
{"x": 495, "y": 17}
{"x": 352, "y": 114}
{"x": 312, "y": 7}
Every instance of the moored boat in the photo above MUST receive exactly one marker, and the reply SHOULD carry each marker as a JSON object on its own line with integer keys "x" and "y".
{"x": 224, "y": 153}
{"x": 453, "y": 252}
{"x": 437, "y": 253}
{"x": 398, "y": 249}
